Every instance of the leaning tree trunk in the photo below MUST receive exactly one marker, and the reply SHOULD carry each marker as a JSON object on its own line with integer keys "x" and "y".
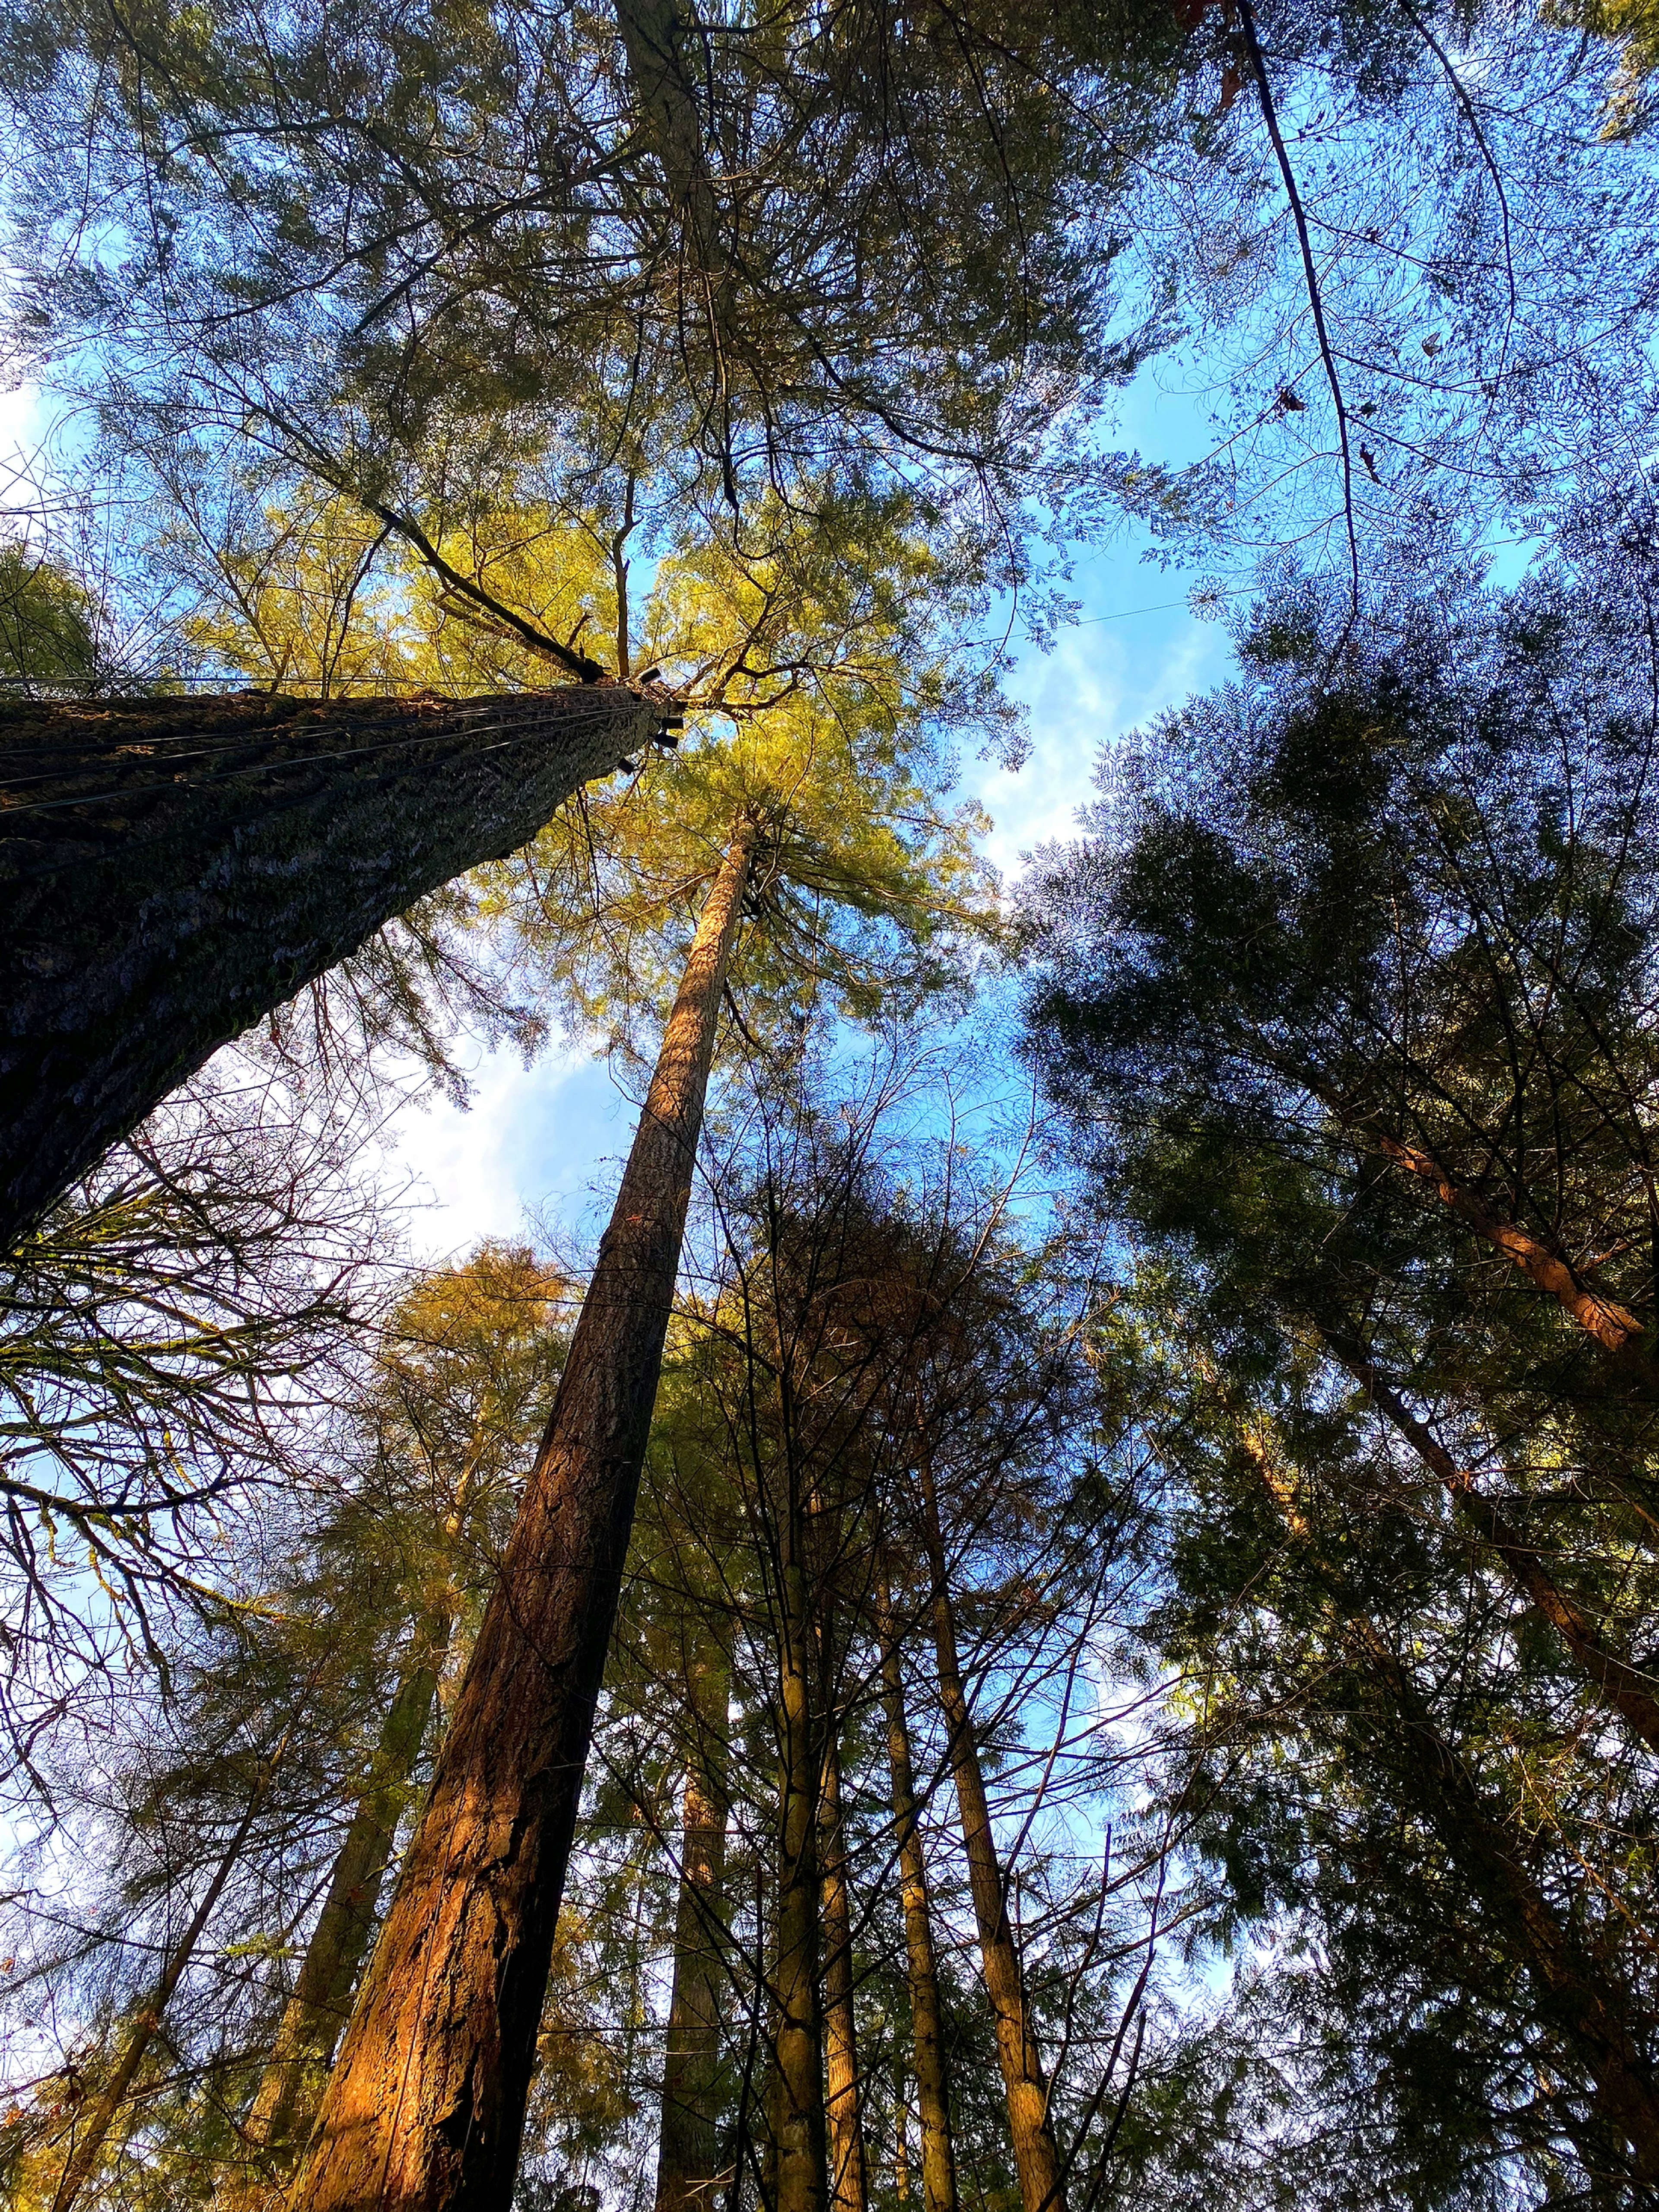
{"x": 92, "y": 2133}
{"x": 1570, "y": 1992}
{"x": 317, "y": 2011}
{"x": 1042, "y": 2180}
{"x": 688, "y": 2154}
{"x": 172, "y": 869}
{"x": 847, "y": 2184}
{"x": 1613, "y": 1680}
{"x": 425, "y": 2107}
{"x": 939, "y": 2169}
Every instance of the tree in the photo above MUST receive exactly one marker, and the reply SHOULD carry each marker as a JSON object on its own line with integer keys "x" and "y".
{"x": 802, "y": 799}
{"x": 178, "y": 867}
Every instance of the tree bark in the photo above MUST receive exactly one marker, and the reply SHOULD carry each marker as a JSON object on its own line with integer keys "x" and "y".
{"x": 1614, "y": 1681}
{"x": 91, "y": 2137}
{"x": 1569, "y": 1991}
{"x": 1628, "y": 1346}
{"x": 318, "y": 2010}
{"x": 1042, "y": 2182}
{"x": 938, "y": 2170}
{"x": 799, "y": 2132}
{"x": 847, "y": 2178}
{"x": 172, "y": 869}
{"x": 687, "y": 2156}
{"x": 425, "y": 2107}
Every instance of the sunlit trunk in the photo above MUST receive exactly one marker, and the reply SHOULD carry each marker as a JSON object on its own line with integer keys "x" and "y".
{"x": 799, "y": 2132}
{"x": 687, "y": 2156}
{"x": 425, "y": 2107}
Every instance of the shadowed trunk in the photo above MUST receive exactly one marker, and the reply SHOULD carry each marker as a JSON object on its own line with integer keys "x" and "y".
{"x": 93, "y": 2132}
{"x": 797, "y": 2130}
{"x": 173, "y": 869}
{"x": 1570, "y": 1992}
{"x": 317, "y": 2011}
{"x": 1614, "y": 1681}
{"x": 939, "y": 2174}
{"x": 425, "y": 2107}
{"x": 847, "y": 2190}
{"x": 1041, "y": 2182}
{"x": 687, "y": 2156}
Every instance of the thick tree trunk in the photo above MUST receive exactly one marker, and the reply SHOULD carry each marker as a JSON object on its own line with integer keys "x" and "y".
{"x": 1042, "y": 2182}
{"x": 318, "y": 2010}
{"x": 172, "y": 869}
{"x": 1569, "y": 1991}
{"x": 93, "y": 2132}
{"x": 1614, "y": 1681}
{"x": 689, "y": 2172}
{"x": 848, "y": 2189}
{"x": 425, "y": 2107}
{"x": 938, "y": 2170}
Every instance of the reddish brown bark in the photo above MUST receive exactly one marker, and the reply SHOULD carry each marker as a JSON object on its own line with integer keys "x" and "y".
{"x": 1042, "y": 2182}
{"x": 425, "y": 2107}
{"x": 1571, "y": 1993}
{"x": 172, "y": 869}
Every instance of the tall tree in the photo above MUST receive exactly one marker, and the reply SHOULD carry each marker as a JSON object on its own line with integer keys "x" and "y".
{"x": 445, "y": 2023}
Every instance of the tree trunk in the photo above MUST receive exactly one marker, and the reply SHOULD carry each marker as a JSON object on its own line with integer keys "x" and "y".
{"x": 1614, "y": 1681}
{"x": 1041, "y": 2182}
{"x": 847, "y": 2190}
{"x": 317, "y": 2011}
{"x": 92, "y": 2136}
{"x": 424, "y": 2109}
{"x": 1569, "y": 1991}
{"x": 1621, "y": 1336}
{"x": 797, "y": 2130}
{"x": 173, "y": 869}
{"x": 938, "y": 2170}
{"x": 687, "y": 2156}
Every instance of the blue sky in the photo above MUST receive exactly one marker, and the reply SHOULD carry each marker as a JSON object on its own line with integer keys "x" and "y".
{"x": 549, "y": 1140}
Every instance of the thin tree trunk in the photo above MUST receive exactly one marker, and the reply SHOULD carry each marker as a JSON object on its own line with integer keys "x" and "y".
{"x": 1614, "y": 1681}
{"x": 847, "y": 2181}
{"x": 1042, "y": 2182}
{"x": 1570, "y": 1992}
{"x": 425, "y": 2107}
{"x": 799, "y": 2132}
{"x": 318, "y": 2010}
{"x": 687, "y": 2156}
{"x": 172, "y": 869}
{"x": 938, "y": 2172}
{"x": 901, "y": 2136}
{"x": 1621, "y": 1336}
{"x": 93, "y": 2133}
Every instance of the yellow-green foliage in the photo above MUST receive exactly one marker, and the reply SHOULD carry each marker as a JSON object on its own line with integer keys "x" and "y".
{"x": 1633, "y": 27}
